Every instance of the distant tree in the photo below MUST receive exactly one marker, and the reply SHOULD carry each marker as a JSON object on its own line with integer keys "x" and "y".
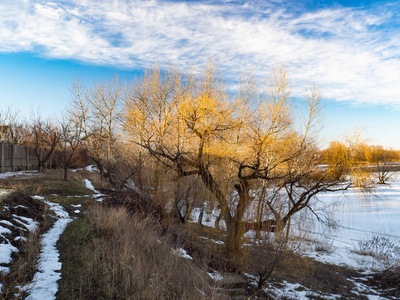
{"x": 96, "y": 110}
{"x": 13, "y": 130}
{"x": 70, "y": 141}
{"x": 43, "y": 136}
{"x": 382, "y": 159}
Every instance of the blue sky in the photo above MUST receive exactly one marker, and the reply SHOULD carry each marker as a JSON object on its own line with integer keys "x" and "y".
{"x": 351, "y": 49}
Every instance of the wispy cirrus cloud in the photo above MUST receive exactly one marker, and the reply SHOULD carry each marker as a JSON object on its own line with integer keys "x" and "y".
{"x": 352, "y": 53}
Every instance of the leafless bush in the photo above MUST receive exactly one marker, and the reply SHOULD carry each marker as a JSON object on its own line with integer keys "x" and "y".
{"x": 380, "y": 248}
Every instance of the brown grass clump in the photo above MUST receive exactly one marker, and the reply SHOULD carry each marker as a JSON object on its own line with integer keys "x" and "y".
{"x": 122, "y": 256}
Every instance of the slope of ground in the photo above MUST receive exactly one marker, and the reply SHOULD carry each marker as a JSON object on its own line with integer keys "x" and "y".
{"x": 123, "y": 248}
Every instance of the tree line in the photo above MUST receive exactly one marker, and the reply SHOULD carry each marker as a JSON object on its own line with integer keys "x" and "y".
{"x": 184, "y": 140}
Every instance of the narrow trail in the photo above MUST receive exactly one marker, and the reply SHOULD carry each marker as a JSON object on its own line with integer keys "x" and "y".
{"x": 44, "y": 284}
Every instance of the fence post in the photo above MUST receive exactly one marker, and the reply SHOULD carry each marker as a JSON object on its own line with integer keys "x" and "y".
{"x": 27, "y": 158}
{"x": 2, "y": 157}
{"x": 12, "y": 157}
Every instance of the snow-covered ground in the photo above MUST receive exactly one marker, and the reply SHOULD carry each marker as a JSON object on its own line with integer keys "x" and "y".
{"x": 19, "y": 173}
{"x": 44, "y": 284}
{"x": 351, "y": 218}
{"x": 97, "y": 195}
{"x": 6, "y": 247}
{"x": 356, "y": 220}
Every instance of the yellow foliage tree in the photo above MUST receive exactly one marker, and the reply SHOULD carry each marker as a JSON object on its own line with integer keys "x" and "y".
{"x": 236, "y": 144}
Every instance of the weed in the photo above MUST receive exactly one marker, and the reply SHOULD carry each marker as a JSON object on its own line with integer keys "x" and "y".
{"x": 380, "y": 248}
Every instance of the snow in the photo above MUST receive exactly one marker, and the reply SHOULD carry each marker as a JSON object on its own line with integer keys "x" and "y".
{"x": 89, "y": 185}
{"x": 6, "y": 248}
{"x": 76, "y": 205}
{"x": 5, "y": 253}
{"x": 4, "y": 230}
{"x": 209, "y": 217}
{"x": 44, "y": 285}
{"x": 5, "y": 222}
{"x": 4, "y": 192}
{"x": 182, "y": 253}
{"x": 21, "y": 206}
{"x": 296, "y": 291}
{"x": 357, "y": 219}
{"x": 77, "y": 211}
{"x": 216, "y": 276}
{"x": 98, "y": 196}
{"x": 91, "y": 168}
{"x": 367, "y": 291}
{"x": 19, "y": 173}
{"x": 130, "y": 184}
{"x": 212, "y": 240}
{"x": 29, "y": 223}
{"x": 352, "y": 219}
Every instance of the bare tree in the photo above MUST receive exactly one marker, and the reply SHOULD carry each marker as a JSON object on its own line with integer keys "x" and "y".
{"x": 43, "y": 137}
{"x": 383, "y": 161}
{"x": 96, "y": 110}
{"x": 12, "y": 129}
{"x": 70, "y": 141}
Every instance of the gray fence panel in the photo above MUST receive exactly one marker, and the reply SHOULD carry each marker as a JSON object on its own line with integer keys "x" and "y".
{"x": 16, "y": 158}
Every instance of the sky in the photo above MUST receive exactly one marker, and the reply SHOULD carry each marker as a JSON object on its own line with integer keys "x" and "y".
{"x": 350, "y": 49}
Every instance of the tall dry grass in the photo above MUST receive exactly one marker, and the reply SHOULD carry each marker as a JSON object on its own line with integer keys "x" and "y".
{"x": 127, "y": 258}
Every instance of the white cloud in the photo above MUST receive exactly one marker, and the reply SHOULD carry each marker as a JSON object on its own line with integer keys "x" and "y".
{"x": 353, "y": 54}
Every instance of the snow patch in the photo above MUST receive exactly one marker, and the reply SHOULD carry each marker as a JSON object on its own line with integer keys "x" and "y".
{"x": 216, "y": 276}
{"x": 91, "y": 168}
{"x": 4, "y": 230}
{"x": 182, "y": 253}
{"x": 89, "y": 185}
{"x": 5, "y": 253}
{"x": 29, "y": 223}
{"x": 19, "y": 173}
{"x": 5, "y": 222}
{"x": 296, "y": 291}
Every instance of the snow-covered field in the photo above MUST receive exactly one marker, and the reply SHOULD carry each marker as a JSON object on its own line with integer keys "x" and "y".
{"x": 350, "y": 219}
{"x": 356, "y": 220}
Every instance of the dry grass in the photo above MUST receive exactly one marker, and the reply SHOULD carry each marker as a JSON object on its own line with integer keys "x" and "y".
{"x": 114, "y": 255}
{"x": 24, "y": 262}
{"x": 47, "y": 183}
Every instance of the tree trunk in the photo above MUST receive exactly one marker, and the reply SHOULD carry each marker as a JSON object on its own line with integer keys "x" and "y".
{"x": 65, "y": 173}
{"x": 233, "y": 238}
{"x": 200, "y": 219}
{"x": 216, "y": 225}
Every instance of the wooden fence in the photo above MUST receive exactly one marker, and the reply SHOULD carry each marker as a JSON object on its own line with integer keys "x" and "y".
{"x": 16, "y": 158}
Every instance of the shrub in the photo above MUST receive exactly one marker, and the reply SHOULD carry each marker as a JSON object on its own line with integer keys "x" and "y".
{"x": 380, "y": 248}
